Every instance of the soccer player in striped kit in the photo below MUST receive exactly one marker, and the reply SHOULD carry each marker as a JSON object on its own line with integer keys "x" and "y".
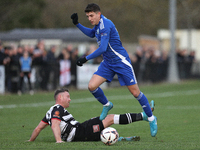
{"x": 66, "y": 128}
{"x": 115, "y": 61}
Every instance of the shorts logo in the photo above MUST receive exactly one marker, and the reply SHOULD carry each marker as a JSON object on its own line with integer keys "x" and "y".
{"x": 96, "y": 128}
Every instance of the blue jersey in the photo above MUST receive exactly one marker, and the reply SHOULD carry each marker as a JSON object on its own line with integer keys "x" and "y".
{"x": 108, "y": 40}
{"x": 25, "y": 64}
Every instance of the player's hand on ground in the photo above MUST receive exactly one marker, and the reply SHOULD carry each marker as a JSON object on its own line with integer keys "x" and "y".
{"x": 59, "y": 141}
{"x": 74, "y": 18}
{"x": 81, "y": 61}
{"x": 28, "y": 141}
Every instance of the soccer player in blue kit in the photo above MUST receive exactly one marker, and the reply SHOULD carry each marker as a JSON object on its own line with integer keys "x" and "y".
{"x": 115, "y": 61}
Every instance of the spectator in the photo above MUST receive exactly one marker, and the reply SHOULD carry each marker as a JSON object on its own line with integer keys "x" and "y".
{"x": 25, "y": 70}
{"x": 38, "y": 62}
{"x": 74, "y": 58}
{"x": 20, "y": 51}
{"x": 181, "y": 58}
{"x": 163, "y": 65}
{"x": 31, "y": 50}
{"x": 61, "y": 55}
{"x": 38, "y": 53}
{"x": 43, "y": 70}
{"x": 14, "y": 57}
{"x": 189, "y": 62}
{"x": 51, "y": 68}
{"x": 6, "y": 63}
{"x": 14, "y": 69}
{"x": 136, "y": 61}
{"x": 65, "y": 73}
{"x": 70, "y": 49}
{"x": 1, "y": 54}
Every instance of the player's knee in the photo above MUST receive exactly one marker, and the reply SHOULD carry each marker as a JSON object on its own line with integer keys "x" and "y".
{"x": 134, "y": 89}
{"x": 110, "y": 117}
{"x": 91, "y": 87}
{"x": 135, "y": 93}
{"x": 109, "y": 120}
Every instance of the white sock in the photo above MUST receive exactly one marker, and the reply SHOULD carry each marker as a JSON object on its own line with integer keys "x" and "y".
{"x": 107, "y": 104}
{"x": 151, "y": 118}
{"x": 142, "y": 115}
{"x": 116, "y": 119}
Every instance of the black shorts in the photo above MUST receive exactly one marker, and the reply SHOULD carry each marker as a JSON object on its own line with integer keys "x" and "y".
{"x": 89, "y": 130}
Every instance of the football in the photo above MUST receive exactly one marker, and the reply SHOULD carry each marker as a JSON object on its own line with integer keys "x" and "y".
{"x": 109, "y": 136}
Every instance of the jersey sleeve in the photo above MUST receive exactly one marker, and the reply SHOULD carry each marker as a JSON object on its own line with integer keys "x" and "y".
{"x": 87, "y": 31}
{"x": 57, "y": 113}
{"x": 105, "y": 36}
{"x": 100, "y": 50}
{"x": 45, "y": 120}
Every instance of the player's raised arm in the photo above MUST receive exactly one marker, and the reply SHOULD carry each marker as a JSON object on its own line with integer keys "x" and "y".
{"x": 87, "y": 31}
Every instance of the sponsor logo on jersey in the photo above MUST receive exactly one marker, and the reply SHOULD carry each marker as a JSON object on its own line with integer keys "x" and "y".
{"x": 56, "y": 114}
{"x": 96, "y": 128}
{"x": 104, "y": 34}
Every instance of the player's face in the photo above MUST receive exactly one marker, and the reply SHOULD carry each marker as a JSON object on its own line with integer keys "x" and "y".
{"x": 65, "y": 99}
{"x": 94, "y": 17}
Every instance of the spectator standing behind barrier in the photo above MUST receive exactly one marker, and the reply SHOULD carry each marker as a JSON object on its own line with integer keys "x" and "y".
{"x": 65, "y": 73}
{"x": 25, "y": 70}
{"x": 190, "y": 61}
{"x": 6, "y": 63}
{"x": 38, "y": 53}
{"x": 51, "y": 68}
{"x": 74, "y": 57}
{"x": 61, "y": 55}
{"x": 1, "y": 53}
{"x": 14, "y": 69}
{"x": 43, "y": 71}
{"x": 19, "y": 51}
{"x": 38, "y": 62}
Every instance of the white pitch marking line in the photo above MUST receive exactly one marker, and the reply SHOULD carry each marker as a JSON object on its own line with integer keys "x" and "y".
{"x": 92, "y": 99}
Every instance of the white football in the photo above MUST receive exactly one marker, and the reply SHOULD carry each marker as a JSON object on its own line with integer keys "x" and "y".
{"x": 109, "y": 136}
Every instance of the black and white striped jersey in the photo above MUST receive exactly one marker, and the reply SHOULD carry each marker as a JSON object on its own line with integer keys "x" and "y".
{"x": 67, "y": 125}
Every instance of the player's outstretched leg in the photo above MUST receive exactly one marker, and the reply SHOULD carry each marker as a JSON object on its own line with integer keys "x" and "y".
{"x": 105, "y": 111}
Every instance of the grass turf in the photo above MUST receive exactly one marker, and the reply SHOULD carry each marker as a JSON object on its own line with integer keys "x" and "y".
{"x": 177, "y": 109}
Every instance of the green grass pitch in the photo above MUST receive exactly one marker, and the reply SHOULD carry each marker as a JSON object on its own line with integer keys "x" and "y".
{"x": 177, "y": 109}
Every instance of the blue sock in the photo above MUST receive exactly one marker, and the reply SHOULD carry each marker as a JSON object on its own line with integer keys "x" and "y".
{"x": 99, "y": 95}
{"x": 145, "y": 104}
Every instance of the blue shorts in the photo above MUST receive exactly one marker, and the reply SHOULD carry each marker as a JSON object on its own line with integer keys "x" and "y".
{"x": 123, "y": 69}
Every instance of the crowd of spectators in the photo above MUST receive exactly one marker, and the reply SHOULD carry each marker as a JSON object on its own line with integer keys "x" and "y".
{"x": 150, "y": 65}
{"x": 44, "y": 61}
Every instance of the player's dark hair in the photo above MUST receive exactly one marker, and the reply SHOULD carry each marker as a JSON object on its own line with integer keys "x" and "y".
{"x": 92, "y": 7}
{"x": 60, "y": 91}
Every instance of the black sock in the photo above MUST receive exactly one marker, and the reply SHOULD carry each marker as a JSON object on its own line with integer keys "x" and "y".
{"x": 129, "y": 118}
